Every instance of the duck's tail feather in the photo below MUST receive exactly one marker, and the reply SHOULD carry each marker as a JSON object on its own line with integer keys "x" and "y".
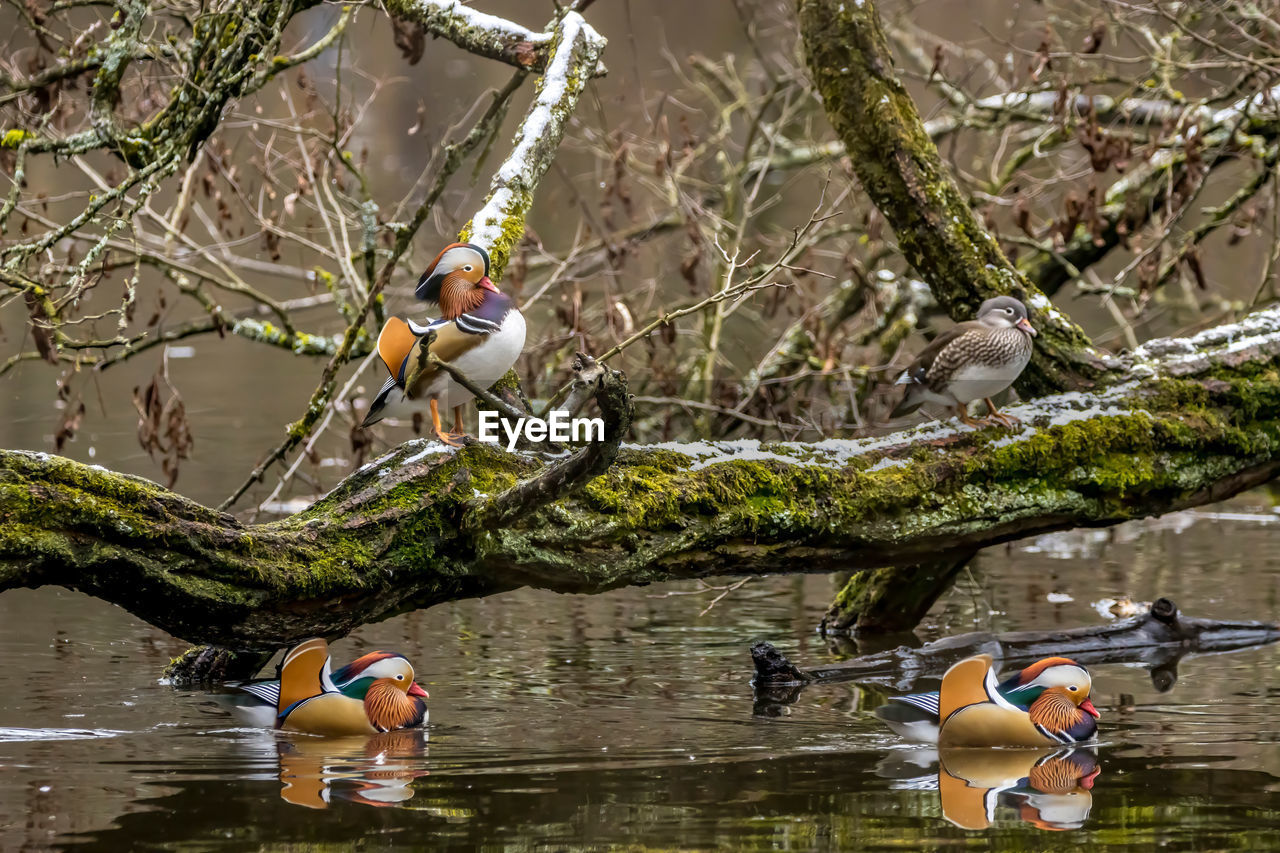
{"x": 378, "y": 407}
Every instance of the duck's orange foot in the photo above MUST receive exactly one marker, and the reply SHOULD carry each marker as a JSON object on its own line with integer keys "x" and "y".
{"x": 453, "y": 439}
{"x": 1007, "y": 421}
{"x": 996, "y": 416}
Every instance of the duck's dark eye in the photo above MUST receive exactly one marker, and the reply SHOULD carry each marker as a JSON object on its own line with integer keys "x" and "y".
{"x": 1073, "y": 688}
{"x": 401, "y": 678}
{"x": 1009, "y": 311}
{"x": 468, "y": 268}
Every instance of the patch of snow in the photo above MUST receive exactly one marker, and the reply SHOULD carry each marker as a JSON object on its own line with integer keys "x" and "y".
{"x": 500, "y": 28}
{"x": 887, "y": 462}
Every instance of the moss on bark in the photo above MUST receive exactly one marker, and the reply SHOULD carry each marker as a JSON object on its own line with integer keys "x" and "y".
{"x": 1199, "y": 421}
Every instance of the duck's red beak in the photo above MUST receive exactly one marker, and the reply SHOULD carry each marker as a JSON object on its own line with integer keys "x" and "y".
{"x": 1026, "y": 326}
{"x": 487, "y": 284}
{"x": 415, "y": 690}
{"x": 1088, "y": 708}
{"x": 1086, "y": 782}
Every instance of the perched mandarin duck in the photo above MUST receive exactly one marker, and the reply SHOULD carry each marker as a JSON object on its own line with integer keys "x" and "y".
{"x": 1051, "y": 790}
{"x": 1046, "y": 704}
{"x": 974, "y": 360}
{"x": 480, "y": 332}
{"x": 375, "y": 693}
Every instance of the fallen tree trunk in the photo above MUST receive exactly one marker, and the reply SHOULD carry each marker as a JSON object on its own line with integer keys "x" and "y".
{"x": 1198, "y": 421}
{"x": 1158, "y": 638}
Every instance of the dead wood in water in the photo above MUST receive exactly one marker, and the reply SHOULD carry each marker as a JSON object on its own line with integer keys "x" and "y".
{"x": 1158, "y": 638}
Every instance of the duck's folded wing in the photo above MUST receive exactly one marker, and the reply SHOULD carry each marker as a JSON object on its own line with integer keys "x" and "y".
{"x": 304, "y": 674}
{"x": 925, "y": 702}
{"x": 964, "y": 684}
{"x": 451, "y": 343}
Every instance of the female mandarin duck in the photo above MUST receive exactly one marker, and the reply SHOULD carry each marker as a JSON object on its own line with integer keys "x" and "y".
{"x": 375, "y": 693}
{"x": 974, "y": 360}
{"x": 1046, "y": 704}
{"x": 480, "y": 332}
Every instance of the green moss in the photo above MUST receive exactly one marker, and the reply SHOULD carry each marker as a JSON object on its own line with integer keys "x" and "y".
{"x": 511, "y": 231}
{"x": 13, "y": 138}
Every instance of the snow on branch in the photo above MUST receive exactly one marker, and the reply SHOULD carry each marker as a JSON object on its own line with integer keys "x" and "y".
{"x": 499, "y": 225}
{"x": 1253, "y": 340}
{"x": 480, "y": 33}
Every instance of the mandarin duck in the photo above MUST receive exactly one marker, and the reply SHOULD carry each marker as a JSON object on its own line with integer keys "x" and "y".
{"x": 1051, "y": 790}
{"x": 374, "y": 693}
{"x": 1046, "y": 704}
{"x": 480, "y": 332}
{"x": 974, "y": 360}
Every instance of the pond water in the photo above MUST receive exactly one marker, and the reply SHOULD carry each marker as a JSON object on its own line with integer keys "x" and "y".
{"x": 627, "y": 719}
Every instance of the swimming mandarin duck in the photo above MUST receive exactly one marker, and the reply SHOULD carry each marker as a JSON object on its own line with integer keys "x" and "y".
{"x": 480, "y": 332}
{"x": 975, "y": 360}
{"x": 1046, "y": 704}
{"x": 375, "y": 693}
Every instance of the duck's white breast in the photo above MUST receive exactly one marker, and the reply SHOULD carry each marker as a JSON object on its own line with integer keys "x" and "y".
{"x": 488, "y": 362}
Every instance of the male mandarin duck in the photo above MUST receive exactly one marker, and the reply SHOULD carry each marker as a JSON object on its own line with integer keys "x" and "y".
{"x": 975, "y": 360}
{"x": 480, "y": 332}
{"x": 1046, "y": 704}
{"x": 375, "y": 693}
{"x": 1051, "y": 790}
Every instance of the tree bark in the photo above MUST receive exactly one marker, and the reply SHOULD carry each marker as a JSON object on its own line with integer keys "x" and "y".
{"x": 891, "y": 599}
{"x": 1198, "y": 421}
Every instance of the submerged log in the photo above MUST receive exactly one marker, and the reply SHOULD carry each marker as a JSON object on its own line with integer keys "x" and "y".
{"x": 1158, "y": 638}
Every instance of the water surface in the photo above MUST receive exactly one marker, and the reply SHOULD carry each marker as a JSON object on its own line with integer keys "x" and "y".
{"x": 626, "y": 719}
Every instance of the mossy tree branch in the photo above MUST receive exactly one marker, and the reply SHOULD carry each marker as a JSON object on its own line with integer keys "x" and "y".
{"x": 499, "y": 224}
{"x": 1198, "y": 420}
{"x": 900, "y": 169}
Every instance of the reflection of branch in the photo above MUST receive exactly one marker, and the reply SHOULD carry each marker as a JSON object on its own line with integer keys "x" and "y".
{"x": 1150, "y": 637}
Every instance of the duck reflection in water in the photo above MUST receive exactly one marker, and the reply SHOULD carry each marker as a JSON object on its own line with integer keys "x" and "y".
{"x": 1049, "y": 789}
{"x": 372, "y": 771}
